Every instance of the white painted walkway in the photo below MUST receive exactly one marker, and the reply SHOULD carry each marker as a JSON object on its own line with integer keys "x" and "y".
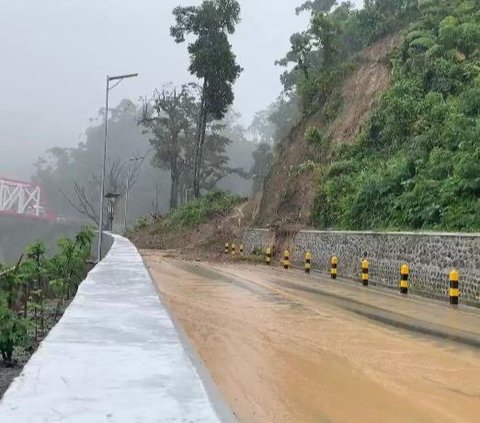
{"x": 114, "y": 357}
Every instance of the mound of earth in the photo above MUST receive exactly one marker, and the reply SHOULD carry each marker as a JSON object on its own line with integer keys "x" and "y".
{"x": 205, "y": 240}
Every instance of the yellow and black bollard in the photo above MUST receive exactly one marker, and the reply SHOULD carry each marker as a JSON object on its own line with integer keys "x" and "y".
{"x": 334, "y": 267}
{"x": 454, "y": 291}
{"x": 365, "y": 272}
{"x": 286, "y": 260}
{"x": 268, "y": 256}
{"x": 308, "y": 262}
{"x": 233, "y": 249}
{"x": 404, "y": 272}
{"x": 227, "y": 248}
{"x": 241, "y": 249}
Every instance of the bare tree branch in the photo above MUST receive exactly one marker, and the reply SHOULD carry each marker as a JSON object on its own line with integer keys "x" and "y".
{"x": 83, "y": 204}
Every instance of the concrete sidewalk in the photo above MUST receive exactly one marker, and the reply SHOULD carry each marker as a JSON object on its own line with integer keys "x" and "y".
{"x": 114, "y": 357}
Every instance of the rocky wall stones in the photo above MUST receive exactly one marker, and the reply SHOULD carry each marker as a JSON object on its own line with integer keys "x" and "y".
{"x": 431, "y": 256}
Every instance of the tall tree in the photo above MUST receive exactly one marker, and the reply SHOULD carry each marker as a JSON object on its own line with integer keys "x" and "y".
{"x": 169, "y": 117}
{"x": 211, "y": 60}
{"x": 215, "y": 162}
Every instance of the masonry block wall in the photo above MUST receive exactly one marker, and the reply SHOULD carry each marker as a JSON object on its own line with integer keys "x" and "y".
{"x": 431, "y": 256}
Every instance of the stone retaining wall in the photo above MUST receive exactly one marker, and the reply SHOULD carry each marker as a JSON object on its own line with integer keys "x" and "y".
{"x": 431, "y": 256}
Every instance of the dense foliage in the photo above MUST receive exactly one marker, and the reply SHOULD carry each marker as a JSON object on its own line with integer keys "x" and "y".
{"x": 72, "y": 175}
{"x": 200, "y": 211}
{"x": 36, "y": 282}
{"x": 170, "y": 119}
{"x": 417, "y": 164}
{"x": 212, "y": 61}
{"x": 324, "y": 53}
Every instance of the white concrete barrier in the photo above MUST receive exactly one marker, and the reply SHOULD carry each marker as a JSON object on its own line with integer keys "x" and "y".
{"x": 115, "y": 356}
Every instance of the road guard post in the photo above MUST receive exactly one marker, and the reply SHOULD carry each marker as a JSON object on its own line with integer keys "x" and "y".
{"x": 404, "y": 272}
{"x": 268, "y": 256}
{"x": 454, "y": 291}
{"x": 334, "y": 267}
{"x": 365, "y": 265}
{"x": 286, "y": 260}
{"x": 308, "y": 262}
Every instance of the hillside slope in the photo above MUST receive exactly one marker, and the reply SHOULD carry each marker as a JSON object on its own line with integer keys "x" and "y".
{"x": 290, "y": 188}
{"x": 416, "y": 164}
{"x": 401, "y": 152}
{"x": 197, "y": 229}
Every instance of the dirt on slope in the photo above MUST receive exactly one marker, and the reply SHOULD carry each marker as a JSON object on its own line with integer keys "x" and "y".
{"x": 203, "y": 241}
{"x": 288, "y": 195}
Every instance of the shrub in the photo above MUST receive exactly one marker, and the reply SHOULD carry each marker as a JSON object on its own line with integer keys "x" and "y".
{"x": 201, "y": 210}
{"x": 13, "y": 331}
{"x": 416, "y": 163}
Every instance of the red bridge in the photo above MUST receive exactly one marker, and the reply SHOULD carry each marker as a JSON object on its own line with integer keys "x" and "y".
{"x": 23, "y": 199}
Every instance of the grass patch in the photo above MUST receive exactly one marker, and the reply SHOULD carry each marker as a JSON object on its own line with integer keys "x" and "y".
{"x": 200, "y": 211}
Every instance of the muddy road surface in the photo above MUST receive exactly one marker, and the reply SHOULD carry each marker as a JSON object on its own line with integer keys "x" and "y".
{"x": 284, "y": 347}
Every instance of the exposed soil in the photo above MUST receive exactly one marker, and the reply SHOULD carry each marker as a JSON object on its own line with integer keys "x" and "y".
{"x": 290, "y": 356}
{"x": 288, "y": 198}
{"x": 206, "y": 240}
{"x": 361, "y": 89}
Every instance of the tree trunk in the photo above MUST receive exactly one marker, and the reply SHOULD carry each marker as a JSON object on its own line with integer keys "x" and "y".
{"x": 202, "y": 127}
{"x": 174, "y": 176}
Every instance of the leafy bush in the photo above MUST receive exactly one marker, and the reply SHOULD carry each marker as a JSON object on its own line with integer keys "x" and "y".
{"x": 325, "y": 52}
{"x": 13, "y": 331}
{"x": 140, "y": 223}
{"x": 416, "y": 164}
{"x": 313, "y": 136}
{"x": 25, "y": 288}
{"x": 302, "y": 168}
{"x": 200, "y": 210}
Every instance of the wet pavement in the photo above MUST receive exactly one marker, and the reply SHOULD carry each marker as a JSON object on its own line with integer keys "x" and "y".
{"x": 286, "y": 347}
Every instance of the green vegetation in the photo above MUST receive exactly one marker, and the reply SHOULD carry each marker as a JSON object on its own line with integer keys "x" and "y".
{"x": 326, "y": 52}
{"x": 417, "y": 164}
{"x": 212, "y": 61}
{"x": 199, "y": 211}
{"x": 35, "y": 284}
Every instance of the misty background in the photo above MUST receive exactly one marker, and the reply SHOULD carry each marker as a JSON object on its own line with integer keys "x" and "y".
{"x": 56, "y": 55}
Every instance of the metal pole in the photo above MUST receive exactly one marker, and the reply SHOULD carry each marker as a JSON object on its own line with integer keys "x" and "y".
{"x": 102, "y": 189}
{"x": 126, "y": 198}
{"x": 119, "y": 79}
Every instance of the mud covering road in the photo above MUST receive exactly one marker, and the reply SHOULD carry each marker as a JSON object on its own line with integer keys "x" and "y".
{"x": 284, "y": 347}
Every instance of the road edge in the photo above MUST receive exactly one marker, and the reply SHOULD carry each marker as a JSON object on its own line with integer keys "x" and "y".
{"x": 220, "y": 404}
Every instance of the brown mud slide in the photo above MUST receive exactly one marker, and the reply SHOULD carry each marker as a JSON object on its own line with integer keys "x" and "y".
{"x": 283, "y": 353}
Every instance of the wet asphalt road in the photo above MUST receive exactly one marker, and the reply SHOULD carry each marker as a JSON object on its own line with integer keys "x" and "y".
{"x": 286, "y": 347}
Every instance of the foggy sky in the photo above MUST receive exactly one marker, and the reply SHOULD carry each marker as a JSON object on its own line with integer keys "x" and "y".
{"x": 55, "y": 55}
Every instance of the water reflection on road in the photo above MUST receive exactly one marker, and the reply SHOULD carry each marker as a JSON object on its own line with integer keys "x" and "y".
{"x": 285, "y": 348}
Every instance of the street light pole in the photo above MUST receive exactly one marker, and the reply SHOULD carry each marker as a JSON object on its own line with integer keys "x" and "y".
{"x": 126, "y": 200}
{"x": 102, "y": 187}
{"x": 119, "y": 78}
